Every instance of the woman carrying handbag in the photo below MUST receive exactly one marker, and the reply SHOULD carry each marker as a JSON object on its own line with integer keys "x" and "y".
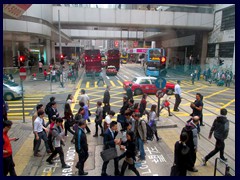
{"x": 165, "y": 103}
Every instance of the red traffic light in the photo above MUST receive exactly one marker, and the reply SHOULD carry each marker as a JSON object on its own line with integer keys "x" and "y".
{"x": 61, "y": 56}
{"x": 163, "y": 60}
{"x": 21, "y": 58}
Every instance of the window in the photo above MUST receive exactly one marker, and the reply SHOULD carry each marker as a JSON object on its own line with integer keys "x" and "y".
{"x": 228, "y": 18}
{"x": 211, "y": 50}
{"x": 226, "y": 50}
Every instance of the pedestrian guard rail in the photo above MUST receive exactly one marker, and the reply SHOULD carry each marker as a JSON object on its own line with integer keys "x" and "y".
{"x": 226, "y": 171}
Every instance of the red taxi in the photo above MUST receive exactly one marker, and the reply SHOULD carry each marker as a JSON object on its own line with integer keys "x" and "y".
{"x": 146, "y": 85}
{"x": 111, "y": 71}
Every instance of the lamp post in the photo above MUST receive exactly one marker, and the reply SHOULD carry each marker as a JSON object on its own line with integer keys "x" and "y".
{"x": 60, "y": 45}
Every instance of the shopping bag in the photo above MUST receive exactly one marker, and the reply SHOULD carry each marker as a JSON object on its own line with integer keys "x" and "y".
{"x": 166, "y": 103}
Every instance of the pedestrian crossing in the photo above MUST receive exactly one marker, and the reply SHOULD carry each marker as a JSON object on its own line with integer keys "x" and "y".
{"x": 16, "y": 107}
{"x": 119, "y": 83}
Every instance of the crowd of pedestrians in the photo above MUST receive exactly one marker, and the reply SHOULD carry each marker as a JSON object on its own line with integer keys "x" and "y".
{"x": 130, "y": 139}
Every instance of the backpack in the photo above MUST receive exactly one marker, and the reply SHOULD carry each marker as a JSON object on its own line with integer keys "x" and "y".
{"x": 47, "y": 108}
{"x": 149, "y": 131}
{"x": 188, "y": 129}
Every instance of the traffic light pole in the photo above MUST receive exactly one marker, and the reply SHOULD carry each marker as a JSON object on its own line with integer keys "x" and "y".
{"x": 60, "y": 45}
{"x": 23, "y": 110}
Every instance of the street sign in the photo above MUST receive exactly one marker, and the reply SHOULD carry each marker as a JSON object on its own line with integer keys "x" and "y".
{"x": 15, "y": 10}
{"x": 22, "y": 73}
{"x": 160, "y": 83}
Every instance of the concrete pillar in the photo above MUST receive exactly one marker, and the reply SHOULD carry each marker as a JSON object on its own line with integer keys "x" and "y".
{"x": 48, "y": 51}
{"x": 53, "y": 53}
{"x": 153, "y": 44}
{"x": 233, "y": 61}
{"x": 204, "y": 50}
{"x": 168, "y": 56}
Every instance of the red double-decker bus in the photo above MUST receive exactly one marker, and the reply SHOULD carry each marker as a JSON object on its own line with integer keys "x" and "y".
{"x": 92, "y": 62}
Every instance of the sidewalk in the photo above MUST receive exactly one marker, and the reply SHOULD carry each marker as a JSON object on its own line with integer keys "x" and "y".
{"x": 32, "y": 87}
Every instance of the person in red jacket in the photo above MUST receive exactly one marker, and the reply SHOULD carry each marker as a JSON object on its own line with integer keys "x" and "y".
{"x": 8, "y": 164}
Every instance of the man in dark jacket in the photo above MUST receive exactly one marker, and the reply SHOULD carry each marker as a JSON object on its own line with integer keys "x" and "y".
{"x": 81, "y": 147}
{"x": 109, "y": 141}
{"x": 106, "y": 100}
{"x": 220, "y": 128}
{"x": 52, "y": 111}
{"x": 129, "y": 92}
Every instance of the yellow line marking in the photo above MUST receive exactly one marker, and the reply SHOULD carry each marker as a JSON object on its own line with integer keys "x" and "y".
{"x": 22, "y": 156}
{"x": 112, "y": 83}
{"x": 17, "y": 109}
{"x": 196, "y": 89}
{"x": 120, "y": 82}
{"x": 95, "y": 84}
{"x": 25, "y": 105}
{"x": 76, "y": 94}
{"x": 216, "y": 93}
{"x": 226, "y": 105}
{"x": 88, "y": 84}
{"x": 25, "y": 101}
{"x": 18, "y": 114}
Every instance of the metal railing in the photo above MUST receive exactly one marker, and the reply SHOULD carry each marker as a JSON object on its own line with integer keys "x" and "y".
{"x": 228, "y": 170}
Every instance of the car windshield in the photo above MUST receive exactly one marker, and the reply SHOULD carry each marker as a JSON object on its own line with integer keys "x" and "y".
{"x": 134, "y": 80}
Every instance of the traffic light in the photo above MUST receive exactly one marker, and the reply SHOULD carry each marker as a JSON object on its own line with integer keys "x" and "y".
{"x": 21, "y": 60}
{"x": 221, "y": 62}
{"x": 162, "y": 62}
{"x": 62, "y": 59}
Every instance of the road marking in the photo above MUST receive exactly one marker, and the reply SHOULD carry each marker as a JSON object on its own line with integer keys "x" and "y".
{"x": 18, "y": 114}
{"x": 76, "y": 94}
{"x": 120, "y": 83}
{"x": 226, "y": 105}
{"x": 25, "y": 101}
{"x": 95, "y": 84}
{"x": 126, "y": 76}
{"x": 107, "y": 77}
{"x": 16, "y": 109}
{"x": 196, "y": 89}
{"x": 218, "y": 92}
{"x": 112, "y": 83}
{"x": 25, "y": 105}
{"x": 88, "y": 84}
{"x": 117, "y": 77}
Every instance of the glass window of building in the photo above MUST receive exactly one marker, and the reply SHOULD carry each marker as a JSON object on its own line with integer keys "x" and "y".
{"x": 228, "y": 18}
{"x": 211, "y": 50}
{"x": 226, "y": 50}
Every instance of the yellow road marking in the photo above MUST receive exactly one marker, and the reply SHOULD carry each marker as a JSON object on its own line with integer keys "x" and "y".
{"x": 22, "y": 156}
{"x": 120, "y": 82}
{"x": 95, "y": 84}
{"x": 218, "y": 92}
{"x": 76, "y": 94}
{"x": 17, "y": 109}
{"x": 25, "y": 105}
{"x": 226, "y": 105}
{"x": 196, "y": 89}
{"x": 18, "y": 114}
{"x": 88, "y": 84}
{"x": 25, "y": 101}
{"x": 112, "y": 83}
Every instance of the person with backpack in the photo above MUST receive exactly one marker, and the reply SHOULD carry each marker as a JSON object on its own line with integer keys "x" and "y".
{"x": 141, "y": 134}
{"x": 58, "y": 136}
{"x": 220, "y": 128}
{"x": 192, "y": 142}
{"x": 152, "y": 120}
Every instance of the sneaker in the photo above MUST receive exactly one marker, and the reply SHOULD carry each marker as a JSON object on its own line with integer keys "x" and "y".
{"x": 65, "y": 166}
{"x": 204, "y": 161}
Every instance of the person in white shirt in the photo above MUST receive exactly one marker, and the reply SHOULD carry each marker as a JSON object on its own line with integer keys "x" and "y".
{"x": 70, "y": 99}
{"x": 165, "y": 102}
{"x": 53, "y": 72}
{"x": 177, "y": 92}
{"x": 108, "y": 120}
{"x": 40, "y": 134}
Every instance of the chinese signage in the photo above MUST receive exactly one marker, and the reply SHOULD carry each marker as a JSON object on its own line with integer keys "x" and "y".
{"x": 15, "y": 10}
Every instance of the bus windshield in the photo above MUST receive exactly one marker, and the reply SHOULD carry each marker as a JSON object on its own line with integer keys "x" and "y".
{"x": 155, "y": 53}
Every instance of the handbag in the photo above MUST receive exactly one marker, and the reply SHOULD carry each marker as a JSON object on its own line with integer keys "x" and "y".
{"x": 108, "y": 154}
{"x": 166, "y": 103}
{"x": 174, "y": 171}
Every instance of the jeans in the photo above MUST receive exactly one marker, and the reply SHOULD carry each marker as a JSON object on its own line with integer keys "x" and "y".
{"x": 141, "y": 148}
{"x": 42, "y": 135}
{"x": 219, "y": 146}
{"x": 82, "y": 157}
{"x": 57, "y": 150}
